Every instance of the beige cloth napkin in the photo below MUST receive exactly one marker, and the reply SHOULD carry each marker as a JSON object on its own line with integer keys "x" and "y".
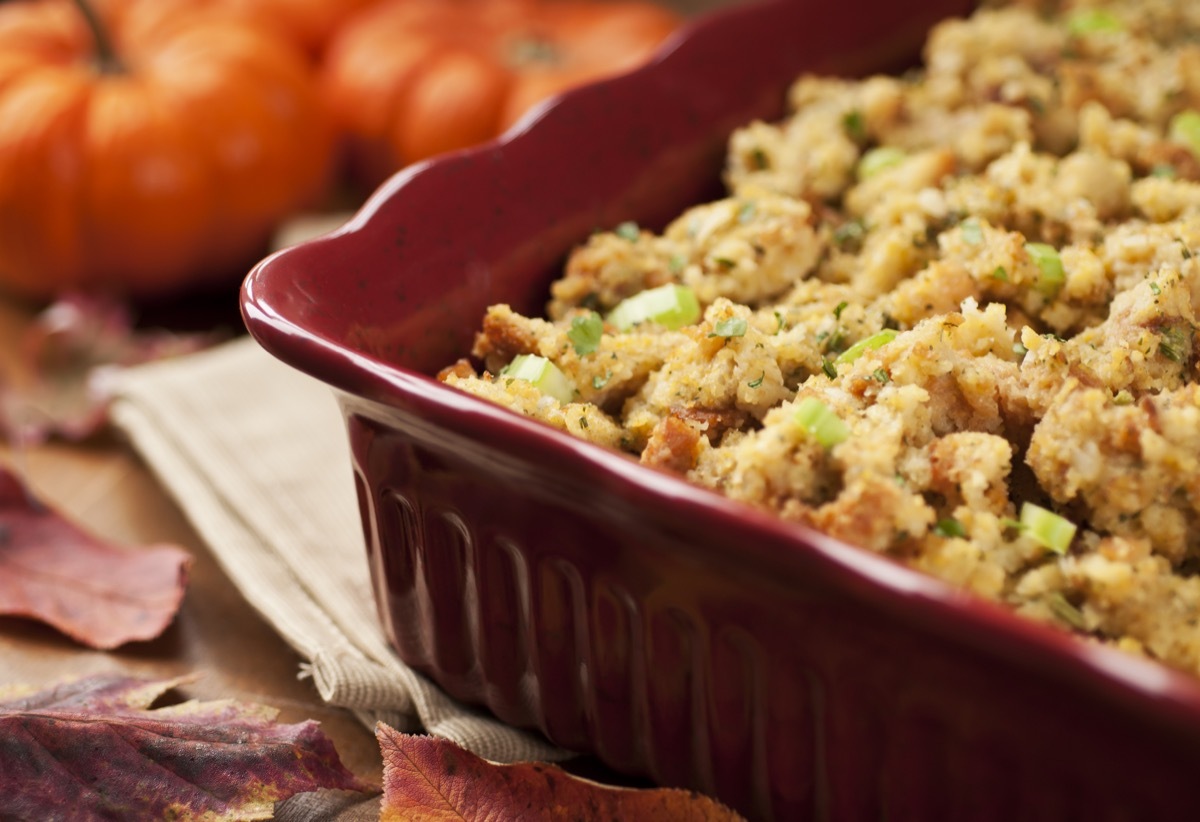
{"x": 255, "y": 453}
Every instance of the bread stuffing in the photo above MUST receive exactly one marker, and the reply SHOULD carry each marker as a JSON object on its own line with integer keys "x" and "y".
{"x": 949, "y": 317}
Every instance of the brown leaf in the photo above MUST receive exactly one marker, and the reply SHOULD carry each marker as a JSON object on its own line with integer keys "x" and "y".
{"x": 95, "y": 592}
{"x": 425, "y": 778}
{"x": 68, "y": 357}
{"x": 93, "y": 749}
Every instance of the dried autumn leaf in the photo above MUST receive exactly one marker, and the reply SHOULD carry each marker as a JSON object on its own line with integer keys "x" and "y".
{"x": 62, "y": 384}
{"x": 425, "y": 778}
{"x": 93, "y": 591}
{"x": 94, "y": 749}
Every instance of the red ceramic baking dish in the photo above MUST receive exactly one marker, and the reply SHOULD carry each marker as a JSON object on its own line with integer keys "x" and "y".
{"x": 620, "y": 611}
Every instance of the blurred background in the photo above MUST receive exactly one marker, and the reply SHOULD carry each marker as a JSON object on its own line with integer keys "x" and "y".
{"x": 151, "y": 151}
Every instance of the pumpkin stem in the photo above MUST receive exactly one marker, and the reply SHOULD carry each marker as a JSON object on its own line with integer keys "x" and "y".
{"x": 106, "y": 55}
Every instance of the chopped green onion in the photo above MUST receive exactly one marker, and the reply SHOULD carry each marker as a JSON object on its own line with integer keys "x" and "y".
{"x": 585, "y": 333}
{"x": 1047, "y": 528}
{"x": 879, "y": 160}
{"x": 972, "y": 232}
{"x": 1185, "y": 128}
{"x": 950, "y": 528}
{"x": 852, "y": 122}
{"x": 1089, "y": 21}
{"x": 1009, "y": 522}
{"x": 849, "y": 235}
{"x": 872, "y": 342}
{"x": 821, "y": 423}
{"x": 729, "y": 327}
{"x": 671, "y": 305}
{"x": 1064, "y": 610}
{"x": 628, "y": 230}
{"x": 543, "y": 374}
{"x": 1050, "y": 265}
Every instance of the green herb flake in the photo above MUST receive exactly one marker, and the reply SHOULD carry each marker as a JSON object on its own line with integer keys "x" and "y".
{"x": 725, "y": 262}
{"x": 830, "y": 369}
{"x": 729, "y": 327}
{"x": 583, "y": 423}
{"x": 1154, "y": 289}
{"x": 746, "y": 211}
{"x": 1020, "y": 350}
{"x": 1000, "y": 273}
{"x": 628, "y": 230}
{"x": 950, "y": 528}
{"x": 881, "y": 376}
{"x": 972, "y": 232}
{"x": 1011, "y": 524}
{"x": 1123, "y": 397}
{"x": 756, "y": 383}
{"x": 1164, "y": 171}
{"x": 759, "y": 159}
{"x": 837, "y": 311}
{"x": 585, "y": 333}
{"x": 821, "y": 422}
{"x": 1174, "y": 343}
{"x": 676, "y": 263}
{"x": 599, "y": 382}
{"x": 782, "y": 322}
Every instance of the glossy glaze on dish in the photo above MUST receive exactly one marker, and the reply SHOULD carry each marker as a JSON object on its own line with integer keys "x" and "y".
{"x": 619, "y": 610}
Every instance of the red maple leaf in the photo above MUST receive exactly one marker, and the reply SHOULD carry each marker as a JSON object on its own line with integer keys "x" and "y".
{"x": 425, "y": 778}
{"x": 95, "y": 592}
{"x": 93, "y": 749}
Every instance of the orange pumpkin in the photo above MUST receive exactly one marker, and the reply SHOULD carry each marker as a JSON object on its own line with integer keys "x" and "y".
{"x": 309, "y": 23}
{"x": 406, "y": 79}
{"x": 146, "y": 170}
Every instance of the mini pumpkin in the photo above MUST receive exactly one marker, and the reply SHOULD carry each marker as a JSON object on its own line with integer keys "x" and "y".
{"x": 159, "y": 153}
{"x": 407, "y": 79}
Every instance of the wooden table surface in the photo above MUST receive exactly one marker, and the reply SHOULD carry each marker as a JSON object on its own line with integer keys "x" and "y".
{"x": 105, "y": 488}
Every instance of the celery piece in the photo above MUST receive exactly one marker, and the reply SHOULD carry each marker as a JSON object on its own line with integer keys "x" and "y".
{"x": 1047, "y": 528}
{"x": 821, "y": 422}
{"x": 870, "y": 343}
{"x": 1089, "y": 21}
{"x": 879, "y": 159}
{"x": 1185, "y": 128}
{"x": 1052, "y": 274}
{"x": 544, "y": 374}
{"x": 672, "y": 306}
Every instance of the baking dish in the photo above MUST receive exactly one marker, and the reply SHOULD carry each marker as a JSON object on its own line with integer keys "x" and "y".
{"x": 620, "y": 611}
